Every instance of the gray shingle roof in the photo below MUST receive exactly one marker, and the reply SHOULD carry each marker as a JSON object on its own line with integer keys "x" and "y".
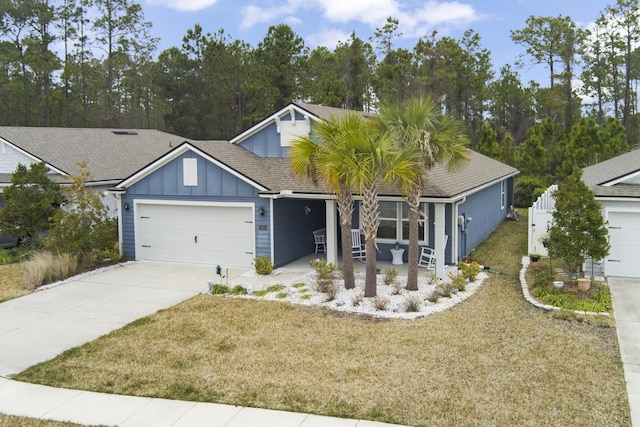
{"x": 326, "y": 113}
{"x": 596, "y": 175}
{"x": 110, "y": 156}
{"x": 275, "y": 173}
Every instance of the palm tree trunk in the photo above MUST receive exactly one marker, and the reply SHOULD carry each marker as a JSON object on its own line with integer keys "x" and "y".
{"x": 345, "y": 208}
{"x": 370, "y": 281}
{"x": 371, "y": 221}
{"x": 413, "y": 201}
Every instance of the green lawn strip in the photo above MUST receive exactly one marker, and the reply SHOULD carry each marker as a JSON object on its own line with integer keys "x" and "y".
{"x": 492, "y": 360}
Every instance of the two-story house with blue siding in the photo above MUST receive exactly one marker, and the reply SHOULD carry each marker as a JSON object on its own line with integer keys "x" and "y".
{"x": 228, "y": 202}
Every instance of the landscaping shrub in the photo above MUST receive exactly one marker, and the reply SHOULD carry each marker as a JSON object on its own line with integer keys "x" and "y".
{"x": 390, "y": 276}
{"x": 83, "y": 227}
{"x": 238, "y": 290}
{"x": 458, "y": 282}
{"x": 381, "y": 303}
{"x": 325, "y": 277}
{"x": 218, "y": 289}
{"x": 13, "y": 255}
{"x": 470, "y": 270}
{"x": 357, "y": 299}
{"x": 45, "y": 267}
{"x": 412, "y": 303}
{"x": 263, "y": 265}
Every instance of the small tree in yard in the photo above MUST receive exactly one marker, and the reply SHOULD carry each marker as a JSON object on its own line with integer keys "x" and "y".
{"x": 30, "y": 201}
{"x": 83, "y": 227}
{"x": 578, "y": 229}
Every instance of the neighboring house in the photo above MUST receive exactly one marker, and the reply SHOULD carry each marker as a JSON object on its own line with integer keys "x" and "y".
{"x": 111, "y": 154}
{"x": 616, "y": 184}
{"x": 228, "y": 202}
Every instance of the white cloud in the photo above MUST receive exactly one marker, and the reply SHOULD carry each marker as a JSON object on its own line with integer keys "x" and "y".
{"x": 328, "y": 38}
{"x": 438, "y": 15}
{"x": 372, "y": 12}
{"x": 185, "y": 5}
{"x": 416, "y": 18}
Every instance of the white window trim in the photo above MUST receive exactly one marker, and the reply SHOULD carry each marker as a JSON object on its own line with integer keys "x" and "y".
{"x": 400, "y": 221}
{"x": 503, "y": 194}
{"x": 190, "y": 172}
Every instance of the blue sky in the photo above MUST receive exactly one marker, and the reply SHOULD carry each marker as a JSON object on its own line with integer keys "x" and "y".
{"x": 325, "y": 22}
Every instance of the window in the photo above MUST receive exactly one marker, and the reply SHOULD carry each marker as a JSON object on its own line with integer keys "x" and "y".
{"x": 388, "y": 220}
{"x": 502, "y": 195}
{"x": 190, "y": 172}
{"x": 394, "y": 222}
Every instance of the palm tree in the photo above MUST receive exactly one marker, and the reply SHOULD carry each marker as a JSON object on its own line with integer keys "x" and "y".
{"x": 320, "y": 158}
{"x": 418, "y": 124}
{"x": 375, "y": 160}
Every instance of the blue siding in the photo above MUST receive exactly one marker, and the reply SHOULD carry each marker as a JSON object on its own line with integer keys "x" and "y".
{"x": 265, "y": 142}
{"x": 214, "y": 185}
{"x": 293, "y": 229}
{"x": 485, "y": 210}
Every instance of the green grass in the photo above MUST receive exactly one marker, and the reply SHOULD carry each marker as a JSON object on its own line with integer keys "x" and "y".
{"x": 492, "y": 360}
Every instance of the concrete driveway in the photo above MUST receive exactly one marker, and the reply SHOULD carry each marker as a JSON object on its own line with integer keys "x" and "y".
{"x": 37, "y": 327}
{"x": 626, "y": 310}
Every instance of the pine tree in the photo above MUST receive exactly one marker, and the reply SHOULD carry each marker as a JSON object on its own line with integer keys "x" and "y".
{"x": 578, "y": 229}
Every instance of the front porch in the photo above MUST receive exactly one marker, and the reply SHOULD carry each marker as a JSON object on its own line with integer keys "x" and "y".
{"x": 302, "y": 264}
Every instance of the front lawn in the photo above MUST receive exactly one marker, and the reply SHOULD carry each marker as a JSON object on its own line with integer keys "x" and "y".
{"x": 491, "y": 360}
{"x": 11, "y": 282}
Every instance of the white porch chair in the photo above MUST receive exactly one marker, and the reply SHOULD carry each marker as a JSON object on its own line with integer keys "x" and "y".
{"x": 357, "y": 248}
{"x": 427, "y": 257}
{"x": 320, "y": 240}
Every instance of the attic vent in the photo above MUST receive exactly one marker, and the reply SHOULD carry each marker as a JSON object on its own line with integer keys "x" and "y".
{"x": 124, "y": 132}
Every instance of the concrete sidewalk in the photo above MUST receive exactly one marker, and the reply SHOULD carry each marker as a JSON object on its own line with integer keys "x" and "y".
{"x": 39, "y": 326}
{"x": 626, "y": 310}
{"x": 84, "y": 407}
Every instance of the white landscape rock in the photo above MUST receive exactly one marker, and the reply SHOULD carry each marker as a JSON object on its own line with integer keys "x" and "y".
{"x": 303, "y": 291}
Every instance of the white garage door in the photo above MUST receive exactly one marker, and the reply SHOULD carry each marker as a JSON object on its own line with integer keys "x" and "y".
{"x": 220, "y": 234}
{"x": 624, "y": 257}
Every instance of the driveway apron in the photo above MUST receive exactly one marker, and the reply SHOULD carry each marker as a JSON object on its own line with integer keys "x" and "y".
{"x": 626, "y": 308}
{"x": 37, "y": 327}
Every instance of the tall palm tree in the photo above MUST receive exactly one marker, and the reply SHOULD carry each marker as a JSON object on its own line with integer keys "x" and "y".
{"x": 321, "y": 158}
{"x": 418, "y": 124}
{"x": 375, "y": 160}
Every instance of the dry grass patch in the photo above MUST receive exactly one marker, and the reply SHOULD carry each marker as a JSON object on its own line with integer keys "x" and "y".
{"x": 13, "y": 421}
{"x": 492, "y": 360}
{"x": 11, "y": 282}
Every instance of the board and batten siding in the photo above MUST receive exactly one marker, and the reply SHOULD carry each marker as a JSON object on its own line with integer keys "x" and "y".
{"x": 214, "y": 185}
{"x": 267, "y": 142}
{"x": 487, "y": 212}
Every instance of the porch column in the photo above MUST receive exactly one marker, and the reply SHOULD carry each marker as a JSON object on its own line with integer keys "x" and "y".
{"x": 438, "y": 236}
{"x": 331, "y": 231}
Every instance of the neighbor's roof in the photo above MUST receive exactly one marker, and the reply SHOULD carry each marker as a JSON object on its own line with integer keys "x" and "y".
{"x": 602, "y": 177}
{"x": 112, "y": 154}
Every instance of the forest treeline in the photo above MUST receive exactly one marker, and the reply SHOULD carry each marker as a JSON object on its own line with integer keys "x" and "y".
{"x": 93, "y": 63}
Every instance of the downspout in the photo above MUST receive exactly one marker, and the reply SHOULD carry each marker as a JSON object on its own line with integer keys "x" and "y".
{"x": 271, "y": 233}
{"x": 117, "y": 196}
{"x": 456, "y": 230}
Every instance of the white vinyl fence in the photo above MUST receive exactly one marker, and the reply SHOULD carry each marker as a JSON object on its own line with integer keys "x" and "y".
{"x": 540, "y": 215}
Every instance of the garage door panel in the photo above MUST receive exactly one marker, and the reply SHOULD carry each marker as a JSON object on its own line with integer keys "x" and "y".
{"x": 219, "y": 234}
{"x": 624, "y": 235}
